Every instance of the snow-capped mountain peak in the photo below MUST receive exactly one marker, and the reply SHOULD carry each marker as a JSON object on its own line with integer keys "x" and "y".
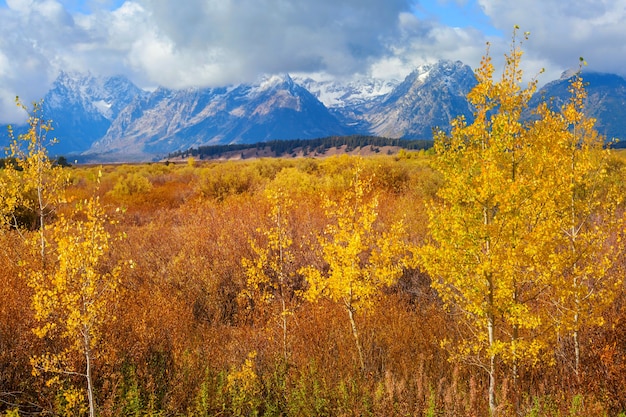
{"x": 111, "y": 116}
{"x": 96, "y": 94}
{"x": 83, "y": 106}
{"x": 336, "y": 94}
{"x": 268, "y": 82}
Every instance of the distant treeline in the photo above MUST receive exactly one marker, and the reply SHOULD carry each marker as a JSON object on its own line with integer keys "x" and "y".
{"x": 12, "y": 161}
{"x": 319, "y": 146}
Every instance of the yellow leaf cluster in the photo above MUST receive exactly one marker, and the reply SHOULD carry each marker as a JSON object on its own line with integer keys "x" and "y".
{"x": 361, "y": 259}
{"x": 72, "y": 301}
{"x": 521, "y": 226}
{"x": 268, "y": 270}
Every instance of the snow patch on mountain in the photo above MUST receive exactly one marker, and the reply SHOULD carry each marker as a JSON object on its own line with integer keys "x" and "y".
{"x": 105, "y": 96}
{"x": 336, "y": 94}
{"x": 103, "y": 107}
{"x": 431, "y": 96}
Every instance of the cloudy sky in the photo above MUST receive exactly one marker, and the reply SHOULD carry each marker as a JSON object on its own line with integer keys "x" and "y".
{"x": 179, "y": 43}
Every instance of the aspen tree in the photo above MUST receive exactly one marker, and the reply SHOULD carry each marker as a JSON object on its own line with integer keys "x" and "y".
{"x": 73, "y": 300}
{"x": 360, "y": 259}
{"x": 589, "y": 237}
{"x": 31, "y": 188}
{"x": 271, "y": 271}
{"x": 515, "y": 222}
{"x": 491, "y": 225}
{"x": 32, "y": 175}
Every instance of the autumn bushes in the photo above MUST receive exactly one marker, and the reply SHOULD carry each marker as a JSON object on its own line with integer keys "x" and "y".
{"x": 199, "y": 331}
{"x": 186, "y": 320}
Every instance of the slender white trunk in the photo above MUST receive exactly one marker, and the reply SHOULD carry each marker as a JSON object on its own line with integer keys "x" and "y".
{"x": 40, "y": 202}
{"x": 516, "y": 387}
{"x": 90, "y": 396}
{"x": 576, "y": 349}
{"x": 492, "y": 369}
{"x": 573, "y": 238}
{"x": 487, "y": 213}
{"x": 355, "y": 333}
{"x": 284, "y": 324}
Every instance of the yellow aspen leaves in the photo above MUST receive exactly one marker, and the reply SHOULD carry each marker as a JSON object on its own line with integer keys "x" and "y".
{"x": 514, "y": 244}
{"x": 72, "y": 300}
{"x": 267, "y": 272}
{"x": 588, "y": 241}
{"x": 271, "y": 274}
{"x": 360, "y": 259}
{"x": 32, "y": 185}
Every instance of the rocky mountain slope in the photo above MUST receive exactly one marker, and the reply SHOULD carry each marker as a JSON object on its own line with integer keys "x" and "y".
{"x": 110, "y": 119}
{"x": 430, "y": 97}
{"x": 82, "y": 108}
{"x": 170, "y": 120}
{"x": 606, "y": 101}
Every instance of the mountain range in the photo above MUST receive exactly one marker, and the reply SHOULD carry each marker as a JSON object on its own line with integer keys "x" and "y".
{"x": 110, "y": 119}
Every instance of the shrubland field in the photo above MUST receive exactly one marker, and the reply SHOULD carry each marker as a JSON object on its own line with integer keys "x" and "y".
{"x": 189, "y": 333}
{"x": 482, "y": 277}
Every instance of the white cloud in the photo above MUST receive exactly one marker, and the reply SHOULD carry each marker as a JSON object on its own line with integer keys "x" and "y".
{"x": 217, "y": 42}
{"x": 249, "y": 37}
{"x": 561, "y": 32}
{"x": 20, "y": 5}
